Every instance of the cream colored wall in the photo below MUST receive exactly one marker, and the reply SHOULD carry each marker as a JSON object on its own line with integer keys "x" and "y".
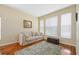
{"x": 70, "y": 9}
{"x": 0, "y": 28}
{"x": 12, "y": 24}
{"x": 78, "y": 34}
{"x": 77, "y": 41}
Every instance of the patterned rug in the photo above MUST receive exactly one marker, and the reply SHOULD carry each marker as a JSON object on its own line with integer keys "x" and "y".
{"x": 42, "y": 48}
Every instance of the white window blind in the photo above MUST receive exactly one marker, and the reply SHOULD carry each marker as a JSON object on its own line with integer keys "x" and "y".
{"x": 51, "y": 26}
{"x": 66, "y": 25}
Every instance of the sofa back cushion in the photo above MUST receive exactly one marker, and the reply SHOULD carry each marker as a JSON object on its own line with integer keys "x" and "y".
{"x": 36, "y": 34}
{"x": 29, "y": 33}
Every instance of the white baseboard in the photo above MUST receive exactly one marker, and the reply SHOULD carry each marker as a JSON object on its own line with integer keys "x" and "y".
{"x": 8, "y": 43}
{"x": 68, "y": 44}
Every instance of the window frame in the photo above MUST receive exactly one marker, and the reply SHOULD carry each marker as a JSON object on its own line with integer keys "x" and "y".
{"x": 70, "y": 25}
{"x": 56, "y": 26}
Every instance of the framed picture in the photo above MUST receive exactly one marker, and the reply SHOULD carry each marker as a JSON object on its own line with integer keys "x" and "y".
{"x": 27, "y": 24}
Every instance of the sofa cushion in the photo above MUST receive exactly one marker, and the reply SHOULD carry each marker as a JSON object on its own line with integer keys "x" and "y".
{"x": 37, "y": 37}
{"x": 36, "y": 34}
{"x": 27, "y": 33}
{"x": 34, "y": 38}
{"x": 33, "y": 33}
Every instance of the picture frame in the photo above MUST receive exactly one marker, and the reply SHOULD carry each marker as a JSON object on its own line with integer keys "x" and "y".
{"x": 27, "y": 24}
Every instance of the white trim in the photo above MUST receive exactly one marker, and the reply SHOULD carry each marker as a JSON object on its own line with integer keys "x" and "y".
{"x": 8, "y": 43}
{"x": 68, "y": 44}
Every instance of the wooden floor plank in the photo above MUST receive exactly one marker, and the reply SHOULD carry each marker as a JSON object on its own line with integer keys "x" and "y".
{"x": 68, "y": 47}
{"x": 12, "y": 48}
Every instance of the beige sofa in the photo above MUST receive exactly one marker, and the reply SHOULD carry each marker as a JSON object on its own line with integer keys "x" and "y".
{"x": 29, "y": 37}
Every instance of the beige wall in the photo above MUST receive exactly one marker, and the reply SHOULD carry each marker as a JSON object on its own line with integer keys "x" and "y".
{"x": 12, "y": 24}
{"x": 77, "y": 41}
{"x": 0, "y": 28}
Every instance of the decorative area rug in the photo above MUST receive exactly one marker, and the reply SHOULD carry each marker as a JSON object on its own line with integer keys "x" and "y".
{"x": 42, "y": 48}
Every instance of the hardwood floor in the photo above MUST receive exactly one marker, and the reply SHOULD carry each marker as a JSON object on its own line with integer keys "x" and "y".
{"x": 12, "y": 48}
{"x": 67, "y": 49}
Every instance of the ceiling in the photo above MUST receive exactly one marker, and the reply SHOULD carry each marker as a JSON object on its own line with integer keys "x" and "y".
{"x": 37, "y": 9}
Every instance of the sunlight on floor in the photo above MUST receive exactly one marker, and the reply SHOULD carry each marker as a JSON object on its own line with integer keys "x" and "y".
{"x": 65, "y": 51}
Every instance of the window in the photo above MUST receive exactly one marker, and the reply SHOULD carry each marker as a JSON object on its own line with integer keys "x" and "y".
{"x": 66, "y": 25}
{"x": 42, "y": 26}
{"x": 51, "y": 26}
